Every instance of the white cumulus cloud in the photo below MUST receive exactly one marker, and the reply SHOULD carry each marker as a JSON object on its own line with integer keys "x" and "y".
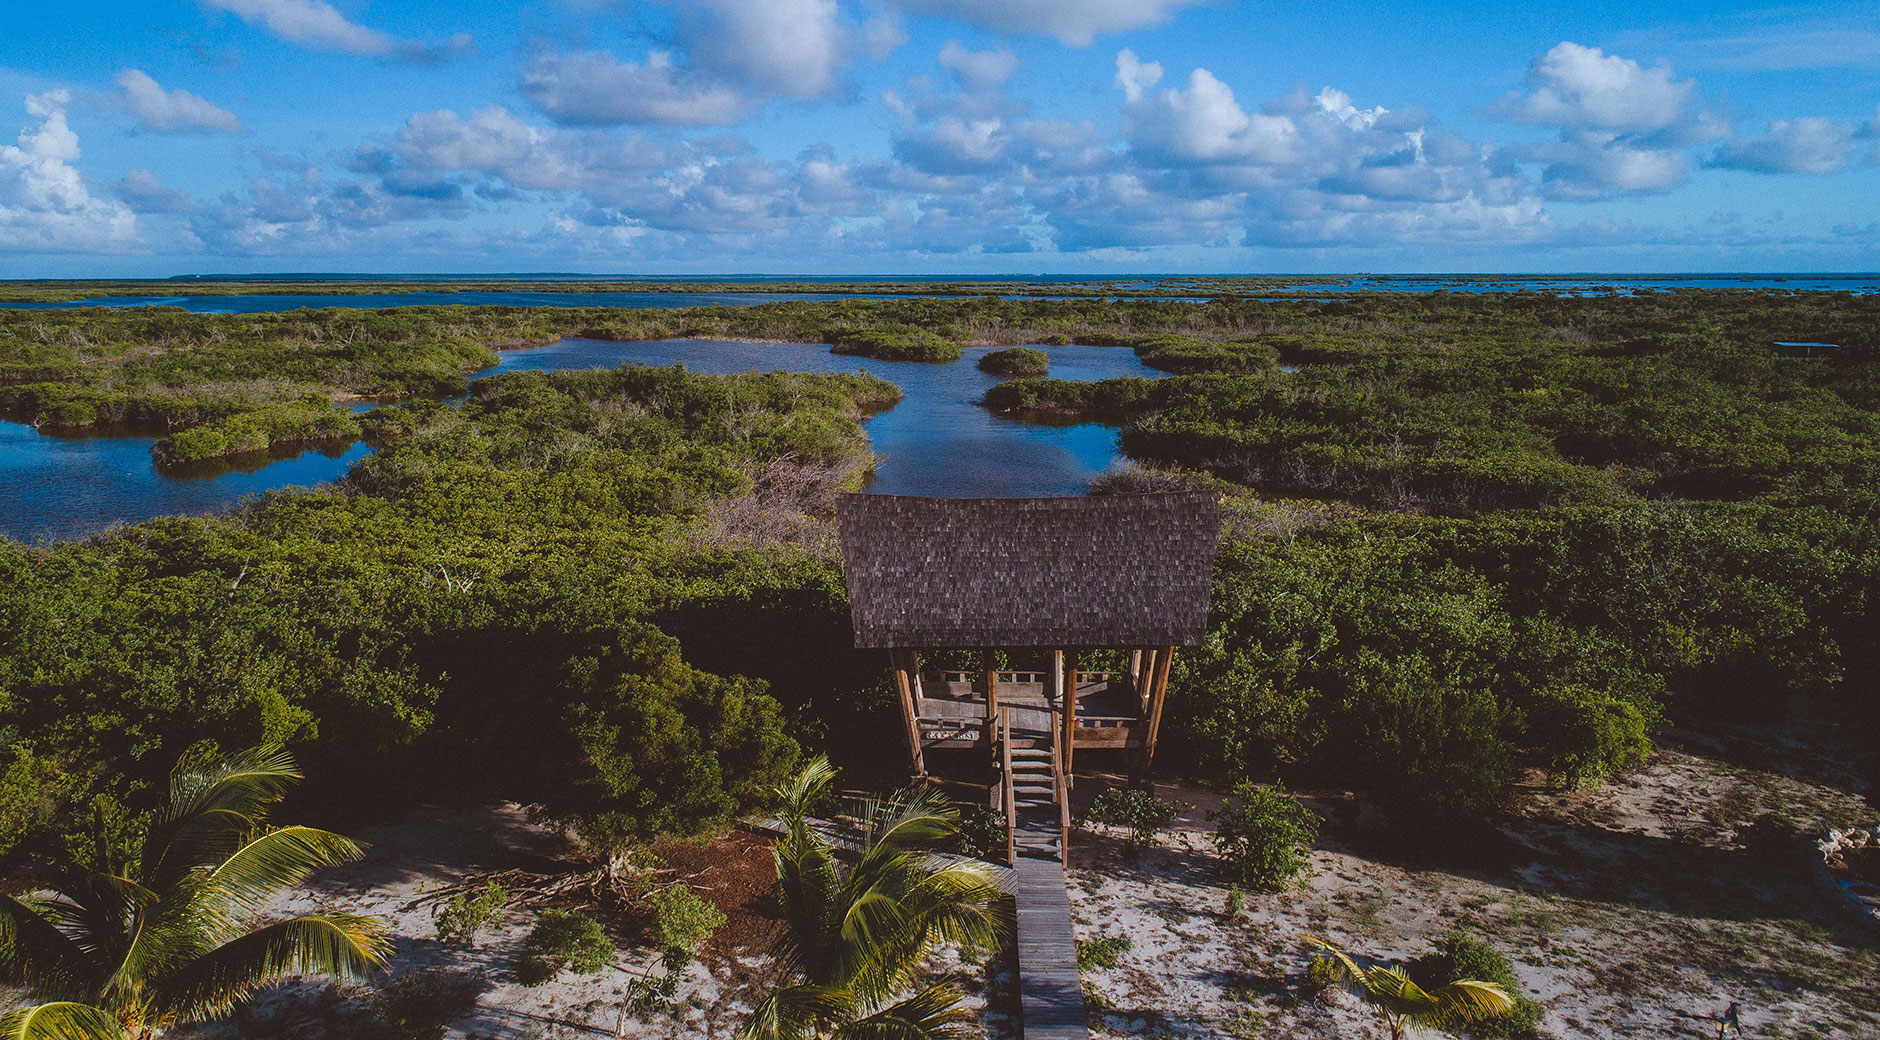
{"x": 1201, "y": 124}
{"x": 1811, "y": 144}
{"x": 1625, "y": 129}
{"x": 44, "y": 204}
{"x": 1586, "y": 88}
{"x": 783, "y": 48}
{"x": 318, "y": 25}
{"x": 593, "y": 88}
{"x": 170, "y": 111}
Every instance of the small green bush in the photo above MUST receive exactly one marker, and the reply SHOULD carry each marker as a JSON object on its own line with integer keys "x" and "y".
{"x": 1463, "y": 956}
{"x": 683, "y": 920}
{"x": 466, "y": 914}
{"x": 1016, "y": 361}
{"x": 981, "y": 833}
{"x": 1589, "y": 734}
{"x": 1263, "y": 835}
{"x": 1322, "y": 973}
{"x": 1141, "y": 814}
{"x": 422, "y": 1004}
{"x": 1106, "y": 952}
{"x": 562, "y": 940}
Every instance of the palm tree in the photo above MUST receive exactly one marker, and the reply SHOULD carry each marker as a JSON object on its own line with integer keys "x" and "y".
{"x": 855, "y": 939}
{"x": 1407, "y": 1006}
{"x": 128, "y": 950}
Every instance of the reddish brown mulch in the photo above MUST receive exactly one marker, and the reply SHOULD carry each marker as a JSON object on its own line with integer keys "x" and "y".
{"x": 736, "y": 873}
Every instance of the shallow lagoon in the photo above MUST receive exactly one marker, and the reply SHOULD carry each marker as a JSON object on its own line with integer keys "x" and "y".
{"x": 936, "y": 441}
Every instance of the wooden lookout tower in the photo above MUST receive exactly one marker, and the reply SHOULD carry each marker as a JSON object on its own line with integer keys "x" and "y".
{"x": 1048, "y": 578}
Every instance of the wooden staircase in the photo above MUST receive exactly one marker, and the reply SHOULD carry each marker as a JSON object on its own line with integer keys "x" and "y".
{"x": 1034, "y": 791}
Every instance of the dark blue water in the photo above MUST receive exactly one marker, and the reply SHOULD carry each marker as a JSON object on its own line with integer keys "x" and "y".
{"x": 936, "y": 441}
{"x": 56, "y": 487}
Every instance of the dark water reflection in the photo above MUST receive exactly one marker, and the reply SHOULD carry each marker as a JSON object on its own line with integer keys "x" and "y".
{"x": 55, "y": 486}
{"x": 936, "y": 441}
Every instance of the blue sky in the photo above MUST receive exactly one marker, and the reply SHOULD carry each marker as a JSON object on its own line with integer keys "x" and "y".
{"x": 936, "y": 136}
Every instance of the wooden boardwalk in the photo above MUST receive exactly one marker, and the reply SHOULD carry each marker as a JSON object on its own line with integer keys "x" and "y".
{"x": 1051, "y": 995}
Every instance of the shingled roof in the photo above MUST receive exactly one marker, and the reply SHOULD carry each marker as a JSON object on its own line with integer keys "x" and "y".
{"x": 1124, "y": 570}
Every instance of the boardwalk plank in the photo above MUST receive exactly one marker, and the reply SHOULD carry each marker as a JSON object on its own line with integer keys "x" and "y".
{"x": 1051, "y": 995}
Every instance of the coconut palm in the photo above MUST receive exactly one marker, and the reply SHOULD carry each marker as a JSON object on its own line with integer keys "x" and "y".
{"x": 131, "y": 949}
{"x": 855, "y": 939}
{"x": 1407, "y": 1006}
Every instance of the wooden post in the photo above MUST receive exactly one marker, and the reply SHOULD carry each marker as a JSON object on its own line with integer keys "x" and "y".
{"x": 1144, "y": 680}
{"x": 1157, "y": 694}
{"x": 1056, "y": 693}
{"x": 1070, "y": 706}
{"x": 903, "y": 666}
{"x": 992, "y": 684}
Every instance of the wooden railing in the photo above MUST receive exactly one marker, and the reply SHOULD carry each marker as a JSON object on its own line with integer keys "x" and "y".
{"x": 1020, "y": 678}
{"x": 1010, "y": 796}
{"x": 1061, "y": 791}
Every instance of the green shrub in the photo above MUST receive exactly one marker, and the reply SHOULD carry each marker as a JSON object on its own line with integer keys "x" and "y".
{"x": 1463, "y": 956}
{"x": 1016, "y": 361}
{"x": 420, "y": 1005}
{"x": 1262, "y": 837}
{"x": 1322, "y": 973}
{"x": 1105, "y": 952}
{"x": 1183, "y": 354}
{"x": 1142, "y": 815}
{"x": 1588, "y": 734}
{"x": 466, "y": 914}
{"x": 683, "y": 920}
{"x": 562, "y": 940}
{"x": 982, "y": 832}
{"x": 892, "y": 342}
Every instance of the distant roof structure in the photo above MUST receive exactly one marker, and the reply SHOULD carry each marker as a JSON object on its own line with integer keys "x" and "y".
{"x": 1101, "y": 571}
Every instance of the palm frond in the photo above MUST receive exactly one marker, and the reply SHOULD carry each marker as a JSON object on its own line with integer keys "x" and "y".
{"x": 35, "y": 952}
{"x": 97, "y": 913}
{"x": 1350, "y": 973}
{"x": 346, "y": 947}
{"x": 914, "y": 818}
{"x": 801, "y": 791}
{"x": 932, "y": 1014}
{"x": 1469, "y": 1000}
{"x": 242, "y": 884}
{"x": 807, "y": 885}
{"x": 59, "y": 1020}
{"x": 212, "y": 808}
{"x": 797, "y": 1013}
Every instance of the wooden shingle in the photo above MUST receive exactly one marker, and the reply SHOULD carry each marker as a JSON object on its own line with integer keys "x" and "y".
{"x": 1117, "y": 571}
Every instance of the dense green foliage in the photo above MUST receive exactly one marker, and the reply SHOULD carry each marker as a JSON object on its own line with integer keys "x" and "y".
{"x": 1540, "y": 525}
{"x": 1262, "y": 837}
{"x": 491, "y": 606}
{"x": 894, "y": 342}
{"x": 1016, "y": 361}
{"x": 1422, "y": 658}
{"x": 562, "y": 940}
